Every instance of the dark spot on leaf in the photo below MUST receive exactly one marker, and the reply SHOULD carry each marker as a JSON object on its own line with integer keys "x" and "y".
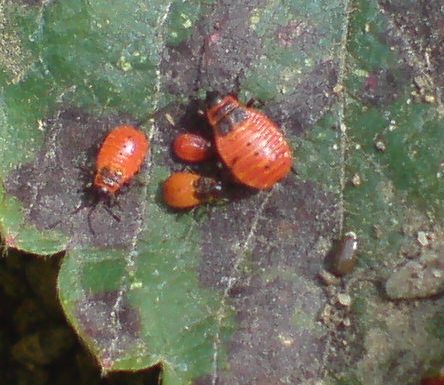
{"x": 311, "y": 99}
{"x": 218, "y": 59}
{"x": 31, "y": 2}
{"x": 213, "y": 58}
{"x": 205, "y": 380}
{"x": 382, "y": 87}
{"x": 298, "y": 34}
{"x": 421, "y": 25}
{"x": 270, "y": 345}
{"x": 300, "y": 213}
{"x": 109, "y": 321}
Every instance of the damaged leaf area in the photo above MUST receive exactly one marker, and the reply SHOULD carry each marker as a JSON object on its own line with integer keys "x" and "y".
{"x": 231, "y": 293}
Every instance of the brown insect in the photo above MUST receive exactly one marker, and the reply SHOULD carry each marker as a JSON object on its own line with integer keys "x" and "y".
{"x": 342, "y": 259}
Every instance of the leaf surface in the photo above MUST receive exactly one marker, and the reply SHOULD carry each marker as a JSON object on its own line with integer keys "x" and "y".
{"x": 229, "y": 293}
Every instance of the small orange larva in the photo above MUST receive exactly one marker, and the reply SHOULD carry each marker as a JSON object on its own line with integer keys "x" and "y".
{"x": 184, "y": 190}
{"x": 192, "y": 148}
{"x": 120, "y": 158}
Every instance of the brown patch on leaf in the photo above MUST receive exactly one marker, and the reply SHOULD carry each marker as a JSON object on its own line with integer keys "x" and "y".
{"x": 300, "y": 109}
{"x": 269, "y": 347}
{"x": 109, "y": 320}
{"x": 220, "y": 49}
{"x": 293, "y": 220}
{"x": 223, "y": 48}
{"x": 277, "y": 340}
{"x": 421, "y": 31}
{"x": 383, "y": 87}
{"x": 32, "y": 2}
{"x": 264, "y": 251}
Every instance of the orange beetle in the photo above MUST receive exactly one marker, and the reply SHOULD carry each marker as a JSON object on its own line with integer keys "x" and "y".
{"x": 120, "y": 158}
{"x": 248, "y": 142}
{"x": 192, "y": 148}
{"x": 184, "y": 190}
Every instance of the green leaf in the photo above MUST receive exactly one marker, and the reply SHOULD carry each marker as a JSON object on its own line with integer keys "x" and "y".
{"x": 160, "y": 312}
{"x": 229, "y": 293}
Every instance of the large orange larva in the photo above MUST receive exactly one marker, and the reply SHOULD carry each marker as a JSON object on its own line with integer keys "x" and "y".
{"x": 248, "y": 142}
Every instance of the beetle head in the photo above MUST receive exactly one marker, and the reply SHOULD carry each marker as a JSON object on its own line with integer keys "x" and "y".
{"x": 213, "y": 99}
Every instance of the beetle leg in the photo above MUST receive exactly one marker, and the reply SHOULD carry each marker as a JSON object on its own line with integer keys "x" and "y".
{"x": 74, "y": 212}
{"x": 88, "y": 219}
{"x": 255, "y": 102}
{"x": 110, "y": 212}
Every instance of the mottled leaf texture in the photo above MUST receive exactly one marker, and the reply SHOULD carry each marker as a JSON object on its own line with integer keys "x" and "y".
{"x": 231, "y": 293}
